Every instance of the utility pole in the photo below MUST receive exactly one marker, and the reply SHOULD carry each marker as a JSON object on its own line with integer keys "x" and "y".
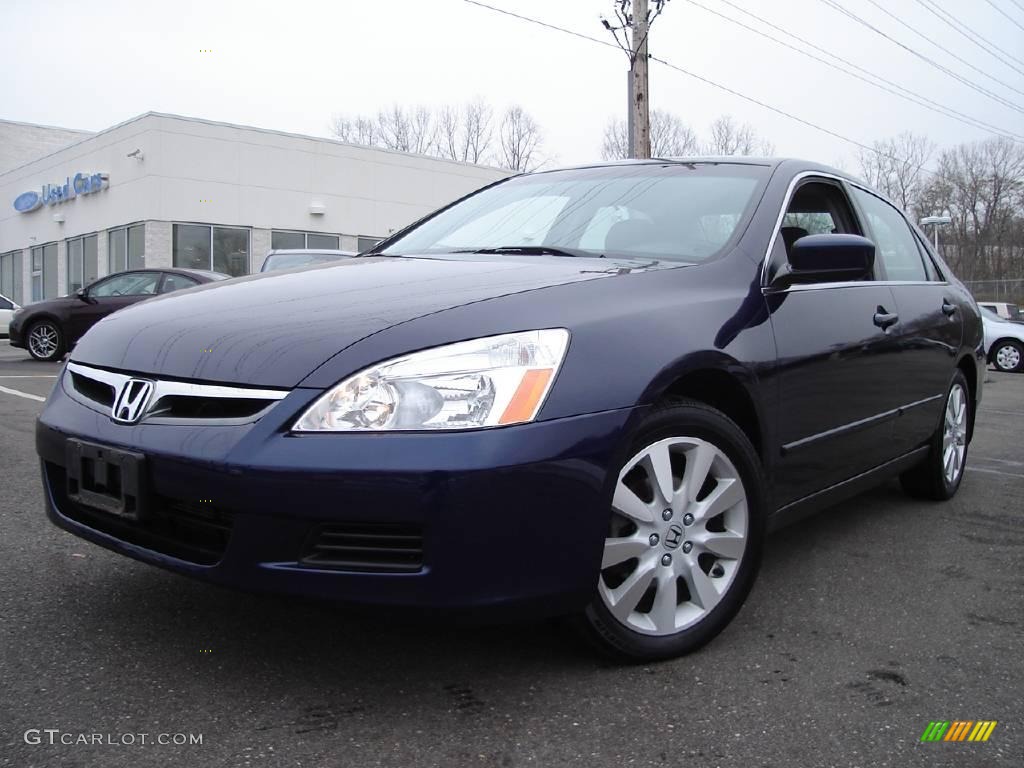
{"x": 639, "y": 107}
{"x": 634, "y": 21}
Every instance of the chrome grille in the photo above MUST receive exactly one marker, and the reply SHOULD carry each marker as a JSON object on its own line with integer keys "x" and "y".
{"x": 171, "y": 402}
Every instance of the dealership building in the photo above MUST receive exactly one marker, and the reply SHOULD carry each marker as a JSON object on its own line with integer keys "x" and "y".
{"x": 161, "y": 190}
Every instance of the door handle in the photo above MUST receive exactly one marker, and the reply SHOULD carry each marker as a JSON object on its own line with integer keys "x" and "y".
{"x": 948, "y": 309}
{"x": 885, "y": 320}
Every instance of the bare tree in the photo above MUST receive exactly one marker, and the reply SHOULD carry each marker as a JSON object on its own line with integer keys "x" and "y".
{"x": 467, "y": 133}
{"x": 477, "y": 118}
{"x": 670, "y": 137}
{"x": 981, "y": 187}
{"x": 393, "y": 129}
{"x": 520, "y": 140}
{"x": 895, "y": 167}
{"x": 731, "y": 138}
{"x": 358, "y": 130}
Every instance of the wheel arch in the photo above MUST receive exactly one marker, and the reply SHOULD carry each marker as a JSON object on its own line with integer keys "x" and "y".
{"x": 722, "y": 383}
{"x": 969, "y": 367}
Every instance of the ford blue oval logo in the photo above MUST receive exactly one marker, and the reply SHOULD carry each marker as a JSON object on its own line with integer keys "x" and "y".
{"x": 27, "y": 201}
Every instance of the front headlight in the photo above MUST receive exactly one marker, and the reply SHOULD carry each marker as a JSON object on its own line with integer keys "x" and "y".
{"x": 480, "y": 383}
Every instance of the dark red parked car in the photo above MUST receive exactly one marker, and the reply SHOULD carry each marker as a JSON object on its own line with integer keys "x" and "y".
{"x": 48, "y": 329}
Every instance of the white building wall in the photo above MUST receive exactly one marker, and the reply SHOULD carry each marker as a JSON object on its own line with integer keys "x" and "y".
{"x": 21, "y": 143}
{"x": 213, "y": 173}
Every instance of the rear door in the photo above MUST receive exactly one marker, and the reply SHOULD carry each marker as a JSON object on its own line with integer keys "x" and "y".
{"x": 836, "y": 392}
{"x": 930, "y": 327}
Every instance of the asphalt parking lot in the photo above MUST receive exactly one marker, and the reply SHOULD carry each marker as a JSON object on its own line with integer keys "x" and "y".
{"x": 867, "y": 622}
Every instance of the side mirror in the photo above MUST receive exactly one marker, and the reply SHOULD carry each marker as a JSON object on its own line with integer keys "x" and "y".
{"x": 82, "y": 294}
{"x": 828, "y": 259}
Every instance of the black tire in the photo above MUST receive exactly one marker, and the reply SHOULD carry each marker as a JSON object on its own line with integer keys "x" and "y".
{"x": 56, "y": 351}
{"x": 1013, "y": 346}
{"x": 688, "y": 418}
{"x": 928, "y": 479}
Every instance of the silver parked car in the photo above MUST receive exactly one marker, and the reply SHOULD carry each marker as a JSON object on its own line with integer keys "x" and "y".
{"x": 289, "y": 258}
{"x": 1004, "y": 342}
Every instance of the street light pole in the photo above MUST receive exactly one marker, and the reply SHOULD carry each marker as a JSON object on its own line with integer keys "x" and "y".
{"x": 936, "y": 222}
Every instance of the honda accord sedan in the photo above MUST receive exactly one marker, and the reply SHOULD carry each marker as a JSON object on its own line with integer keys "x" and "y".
{"x": 585, "y": 392}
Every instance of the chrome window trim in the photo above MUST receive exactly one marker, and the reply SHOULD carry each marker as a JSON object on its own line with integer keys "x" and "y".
{"x": 163, "y": 388}
{"x": 790, "y": 191}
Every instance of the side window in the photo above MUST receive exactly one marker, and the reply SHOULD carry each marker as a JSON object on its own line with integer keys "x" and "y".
{"x": 816, "y": 208}
{"x": 131, "y": 284}
{"x": 5, "y": 304}
{"x": 175, "y": 282}
{"x": 896, "y": 246}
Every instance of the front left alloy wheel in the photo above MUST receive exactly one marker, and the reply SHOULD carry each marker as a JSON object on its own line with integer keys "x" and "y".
{"x": 45, "y": 341}
{"x": 684, "y": 539}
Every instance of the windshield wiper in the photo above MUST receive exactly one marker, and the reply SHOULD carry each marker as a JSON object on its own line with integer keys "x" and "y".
{"x": 535, "y": 250}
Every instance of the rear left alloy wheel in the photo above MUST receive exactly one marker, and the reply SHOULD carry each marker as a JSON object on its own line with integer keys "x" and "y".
{"x": 684, "y": 539}
{"x": 938, "y": 476}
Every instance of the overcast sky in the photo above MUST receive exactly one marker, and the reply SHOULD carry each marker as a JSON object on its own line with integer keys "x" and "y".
{"x": 292, "y": 64}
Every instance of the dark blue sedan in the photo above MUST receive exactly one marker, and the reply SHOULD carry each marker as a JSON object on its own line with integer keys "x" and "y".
{"x": 588, "y": 391}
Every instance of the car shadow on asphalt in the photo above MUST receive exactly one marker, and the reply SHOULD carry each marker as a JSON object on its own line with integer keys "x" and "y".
{"x": 156, "y": 613}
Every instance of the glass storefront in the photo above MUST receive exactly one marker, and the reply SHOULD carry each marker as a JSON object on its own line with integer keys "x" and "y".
{"x": 281, "y": 239}
{"x": 222, "y": 249}
{"x": 81, "y": 262}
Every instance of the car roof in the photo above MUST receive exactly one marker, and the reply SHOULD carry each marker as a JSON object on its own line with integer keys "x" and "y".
{"x": 792, "y": 164}
{"x": 205, "y": 273}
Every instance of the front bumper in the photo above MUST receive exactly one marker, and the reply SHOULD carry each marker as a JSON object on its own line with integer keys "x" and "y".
{"x": 513, "y": 516}
{"x": 15, "y": 333}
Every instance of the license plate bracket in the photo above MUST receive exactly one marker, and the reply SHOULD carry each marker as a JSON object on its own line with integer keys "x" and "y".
{"x": 108, "y": 479}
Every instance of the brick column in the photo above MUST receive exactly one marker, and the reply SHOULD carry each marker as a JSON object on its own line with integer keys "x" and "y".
{"x": 158, "y": 244}
{"x": 259, "y": 244}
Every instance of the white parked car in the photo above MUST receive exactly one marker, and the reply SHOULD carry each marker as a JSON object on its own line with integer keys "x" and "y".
{"x": 1004, "y": 342}
{"x": 7, "y": 309}
{"x": 1003, "y": 309}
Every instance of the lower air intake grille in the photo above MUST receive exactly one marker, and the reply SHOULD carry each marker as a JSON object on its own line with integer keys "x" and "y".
{"x": 368, "y": 547}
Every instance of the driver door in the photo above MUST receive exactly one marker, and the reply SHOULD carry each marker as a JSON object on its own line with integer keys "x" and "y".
{"x": 107, "y": 296}
{"x": 836, "y": 381}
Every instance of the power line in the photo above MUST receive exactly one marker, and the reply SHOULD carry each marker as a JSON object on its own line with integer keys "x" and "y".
{"x": 942, "y": 48}
{"x": 1018, "y": 5}
{"x": 980, "y": 41}
{"x": 707, "y": 81}
{"x": 969, "y": 83}
{"x": 1013, "y": 20}
{"x": 896, "y": 89}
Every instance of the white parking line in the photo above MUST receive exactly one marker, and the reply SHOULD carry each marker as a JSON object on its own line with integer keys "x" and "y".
{"x": 26, "y": 395}
{"x": 993, "y": 472}
{"x": 39, "y": 376}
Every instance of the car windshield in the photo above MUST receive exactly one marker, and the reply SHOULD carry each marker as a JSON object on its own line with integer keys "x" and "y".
{"x": 290, "y": 260}
{"x": 682, "y": 212}
{"x": 989, "y": 314}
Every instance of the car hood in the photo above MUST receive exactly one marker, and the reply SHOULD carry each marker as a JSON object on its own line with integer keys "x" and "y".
{"x": 274, "y": 329}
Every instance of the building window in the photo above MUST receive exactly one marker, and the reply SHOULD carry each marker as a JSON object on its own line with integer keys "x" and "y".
{"x": 44, "y": 272}
{"x": 127, "y": 248}
{"x": 366, "y": 243}
{"x": 10, "y": 276}
{"x": 82, "y": 262}
{"x": 222, "y": 249}
{"x": 280, "y": 239}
